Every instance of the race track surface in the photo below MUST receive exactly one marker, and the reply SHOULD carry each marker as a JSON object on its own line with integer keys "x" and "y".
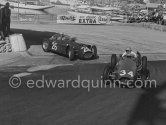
{"x": 108, "y": 38}
{"x": 84, "y": 105}
{"x": 70, "y": 105}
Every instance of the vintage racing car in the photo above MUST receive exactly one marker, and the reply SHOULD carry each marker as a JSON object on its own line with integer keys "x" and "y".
{"x": 126, "y": 70}
{"x": 67, "y": 46}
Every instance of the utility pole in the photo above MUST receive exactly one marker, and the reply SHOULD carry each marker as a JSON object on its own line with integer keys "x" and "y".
{"x": 18, "y": 10}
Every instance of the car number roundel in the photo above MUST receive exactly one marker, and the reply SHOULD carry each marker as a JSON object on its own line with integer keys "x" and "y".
{"x": 54, "y": 46}
{"x": 86, "y": 49}
{"x": 123, "y": 72}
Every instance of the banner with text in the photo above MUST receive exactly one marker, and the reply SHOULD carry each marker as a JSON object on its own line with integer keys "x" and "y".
{"x": 83, "y": 19}
{"x": 69, "y": 19}
{"x": 27, "y": 18}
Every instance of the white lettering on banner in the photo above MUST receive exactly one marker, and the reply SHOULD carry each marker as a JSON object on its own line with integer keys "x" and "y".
{"x": 83, "y": 19}
{"x": 103, "y": 19}
{"x": 27, "y": 18}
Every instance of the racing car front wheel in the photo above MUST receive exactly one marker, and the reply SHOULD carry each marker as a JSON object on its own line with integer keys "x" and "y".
{"x": 113, "y": 60}
{"x": 70, "y": 53}
{"x": 144, "y": 63}
{"x": 106, "y": 75}
{"x": 45, "y": 45}
{"x": 146, "y": 83}
{"x": 94, "y": 50}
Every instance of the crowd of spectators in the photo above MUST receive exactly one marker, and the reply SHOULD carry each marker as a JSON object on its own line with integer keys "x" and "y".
{"x": 156, "y": 16}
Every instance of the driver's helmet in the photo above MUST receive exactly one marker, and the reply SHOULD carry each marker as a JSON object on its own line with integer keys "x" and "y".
{"x": 128, "y": 50}
{"x": 59, "y": 38}
{"x": 73, "y": 39}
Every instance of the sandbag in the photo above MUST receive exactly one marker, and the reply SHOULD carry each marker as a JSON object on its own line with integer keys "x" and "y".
{"x": 17, "y": 42}
{"x": 6, "y": 47}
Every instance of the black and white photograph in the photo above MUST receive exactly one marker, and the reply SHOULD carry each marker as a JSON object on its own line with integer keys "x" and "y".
{"x": 82, "y": 62}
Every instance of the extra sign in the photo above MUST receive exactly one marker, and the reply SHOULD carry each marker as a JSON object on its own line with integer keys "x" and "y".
{"x": 87, "y": 20}
{"x": 84, "y": 19}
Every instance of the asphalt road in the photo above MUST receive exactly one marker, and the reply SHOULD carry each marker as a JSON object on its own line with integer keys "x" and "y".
{"x": 65, "y": 103}
{"x": 108, "y": 38}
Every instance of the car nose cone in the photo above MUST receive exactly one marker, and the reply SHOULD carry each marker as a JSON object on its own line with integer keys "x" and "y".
{"x": 88, "y": 55}
{"x": 125, "y": 81}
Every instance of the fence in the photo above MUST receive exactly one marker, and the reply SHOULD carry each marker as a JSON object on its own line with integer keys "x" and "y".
{"x": 34, "y": 18}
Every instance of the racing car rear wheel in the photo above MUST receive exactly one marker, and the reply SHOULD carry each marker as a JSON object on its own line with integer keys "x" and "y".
{"x": 45, "y": 45}
{"x": 70, "y": 53}
{"x": 113, "y": 60}
{"x": 106, "y": 75}
{"x": 144, "y": 63}
{"x": 144, "y": 78}
{"x": 94, "y": 50}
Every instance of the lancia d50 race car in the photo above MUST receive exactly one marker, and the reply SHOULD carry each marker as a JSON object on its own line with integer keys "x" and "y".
{"x": 126, "y": 70}
{"x": 65, "y": 45}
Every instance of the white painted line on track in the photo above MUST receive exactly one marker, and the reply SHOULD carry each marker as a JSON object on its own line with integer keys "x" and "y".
{"x": 38, "y": 68}
{"x": 46, "y": 67}
{"x": 22, "y": 74}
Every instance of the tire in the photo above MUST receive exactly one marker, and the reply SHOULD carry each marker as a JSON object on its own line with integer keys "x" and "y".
{"x": 139, "y": 55}
{"x": 70, "y": 53}
{"x": 146, "y": 74}
{"x": 113, "y": 60}
{"x": 94, "y": 49}
{"x": 106, "y": 73}
{"x": 45, "y": 45}
{"x": 145, "y": 77}
{"x": 144, "y": 63}
{"x": 120, "y": 57}
{"x": 139, "y": 60}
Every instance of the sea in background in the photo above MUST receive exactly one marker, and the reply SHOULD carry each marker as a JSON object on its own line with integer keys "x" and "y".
{"x": 57, "y": 10}
{"x": 48, "y": 15}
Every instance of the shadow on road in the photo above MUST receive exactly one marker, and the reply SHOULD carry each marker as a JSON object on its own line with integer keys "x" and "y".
{"x": 33, "y": 37}
{"x": 150, "y": 108}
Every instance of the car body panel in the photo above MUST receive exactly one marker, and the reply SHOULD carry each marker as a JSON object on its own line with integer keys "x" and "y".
{"x": 126, "y": 68}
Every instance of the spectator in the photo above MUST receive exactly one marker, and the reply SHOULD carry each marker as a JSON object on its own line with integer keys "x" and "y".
{"x": 6, "y": 19}
{"x": 1, "y": 23}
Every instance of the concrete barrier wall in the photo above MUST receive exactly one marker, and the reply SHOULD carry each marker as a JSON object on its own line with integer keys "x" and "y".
{"x": 52, "y": 19}
{"x": 33, "y": 18}
{"x": 18, "y": 43}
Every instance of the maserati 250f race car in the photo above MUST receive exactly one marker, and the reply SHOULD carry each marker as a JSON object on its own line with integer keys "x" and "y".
{"x": 125, "y": 69}
{"x": 67, "y": 46}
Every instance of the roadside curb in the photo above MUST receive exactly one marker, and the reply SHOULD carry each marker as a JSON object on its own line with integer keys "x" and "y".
{"x": 152, "y": 26}
{"x": 6, "y": 58}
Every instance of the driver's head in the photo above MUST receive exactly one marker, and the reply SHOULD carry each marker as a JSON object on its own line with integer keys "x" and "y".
{"x": 59, "y": 38}
{"x": 128, "y": 50}
{"x": 7, "y": 5}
